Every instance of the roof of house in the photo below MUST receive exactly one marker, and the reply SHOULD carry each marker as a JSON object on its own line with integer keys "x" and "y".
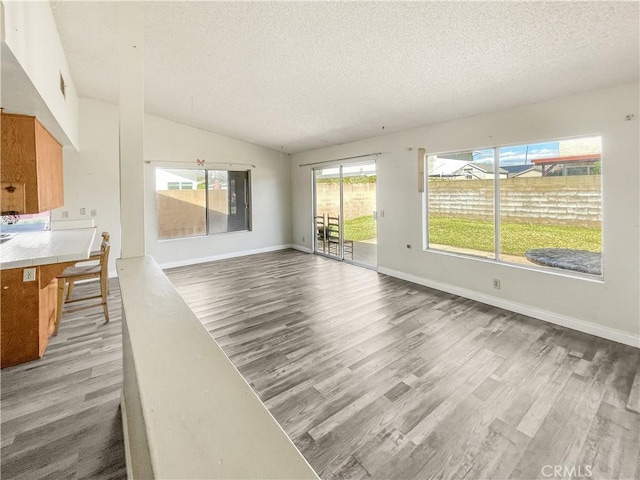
{"x": 445, "y": 167}
{"x": 574, "y": 158}
{"x": 517, "y": 169}
{"x": 484, "y": 167}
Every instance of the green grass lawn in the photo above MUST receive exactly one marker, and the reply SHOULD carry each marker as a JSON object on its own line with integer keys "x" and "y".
{"x": 516, "y": 238}
{"x": 361, "y": 228}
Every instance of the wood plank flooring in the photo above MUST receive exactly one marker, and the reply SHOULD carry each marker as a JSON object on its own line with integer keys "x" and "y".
{"x": 61, "y": 414}
{"x": 369, "y": 375}
{"x": 376, "y": 377}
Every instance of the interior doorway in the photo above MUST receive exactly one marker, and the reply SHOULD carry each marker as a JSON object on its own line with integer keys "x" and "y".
{"x": 344, "y": 212}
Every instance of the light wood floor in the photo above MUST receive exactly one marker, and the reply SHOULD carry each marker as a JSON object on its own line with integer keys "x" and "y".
{"x": 370, "y": 376}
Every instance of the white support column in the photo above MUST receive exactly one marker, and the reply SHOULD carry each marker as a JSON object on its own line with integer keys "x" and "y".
{"x": 131, "y": 63}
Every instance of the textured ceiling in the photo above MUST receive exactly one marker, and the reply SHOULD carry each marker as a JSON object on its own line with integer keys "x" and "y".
{"x": 302, "y": 75}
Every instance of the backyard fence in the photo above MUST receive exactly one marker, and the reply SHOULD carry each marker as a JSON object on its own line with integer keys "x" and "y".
{"x": 359, "y": 199}
{"x": 181, "y": 213}
{"x": 573, "y": 200}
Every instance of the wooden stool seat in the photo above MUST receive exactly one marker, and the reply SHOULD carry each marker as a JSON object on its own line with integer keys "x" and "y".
{"x": 79, "y": 271}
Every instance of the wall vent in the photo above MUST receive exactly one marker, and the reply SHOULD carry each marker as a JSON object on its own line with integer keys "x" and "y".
{"x": 63, "y": 87}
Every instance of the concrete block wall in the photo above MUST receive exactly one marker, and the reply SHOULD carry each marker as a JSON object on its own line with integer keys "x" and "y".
{"x": 574, "y": 200}
{"x": 359, "y": 199}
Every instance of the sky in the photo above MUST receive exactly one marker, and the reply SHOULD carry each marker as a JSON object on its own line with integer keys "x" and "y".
{"x": 519, "y": 154}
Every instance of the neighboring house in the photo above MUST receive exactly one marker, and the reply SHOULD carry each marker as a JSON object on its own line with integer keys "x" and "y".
{"x": 588, "y": 164}
{"x": 523, "y": 171}
{"x": 461, "y": 169}
{"x": 576, "y": 156}
{"x": 445, "y": 167}
{"x": 166, "y": 180}
{"x": 479, "y": 171}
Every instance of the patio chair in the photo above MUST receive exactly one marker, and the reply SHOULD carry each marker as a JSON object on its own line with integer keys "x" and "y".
{"x": 333, "y": 238}
{"x": 321, "y": 233}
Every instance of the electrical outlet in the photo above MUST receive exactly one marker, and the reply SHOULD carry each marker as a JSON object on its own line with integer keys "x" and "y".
{"x": 29, "y": 275}
{"x": 83, "y": 211}
{"x": 496, "y": 284}
{"x": 94, "y": 213}
{"x": 65, "y": 214}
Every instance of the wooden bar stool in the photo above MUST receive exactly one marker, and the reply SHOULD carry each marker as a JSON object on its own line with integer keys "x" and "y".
{"x": 93, "y": 256}
{"x": 76, "y": 273}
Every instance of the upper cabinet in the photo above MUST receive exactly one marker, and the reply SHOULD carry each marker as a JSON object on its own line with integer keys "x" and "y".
{"x": 30, "y": 167}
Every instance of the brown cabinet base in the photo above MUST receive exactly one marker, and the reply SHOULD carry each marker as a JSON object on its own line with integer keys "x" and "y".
{"x": 28, "y": 313}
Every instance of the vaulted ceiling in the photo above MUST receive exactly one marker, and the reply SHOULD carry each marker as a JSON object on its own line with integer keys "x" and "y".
{"x": 296, "y": 76}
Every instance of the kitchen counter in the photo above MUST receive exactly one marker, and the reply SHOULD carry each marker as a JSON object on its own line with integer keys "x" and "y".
{"x": 29, "y": 249}
{"x": 29, "y": 305}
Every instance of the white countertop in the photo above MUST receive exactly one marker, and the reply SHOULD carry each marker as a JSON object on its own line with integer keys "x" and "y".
{"x": 29, "y": 249}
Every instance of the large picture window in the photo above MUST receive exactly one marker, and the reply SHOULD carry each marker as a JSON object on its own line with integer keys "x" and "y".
{"x": 533, "y": 204}
{"x": 193, "y": 202}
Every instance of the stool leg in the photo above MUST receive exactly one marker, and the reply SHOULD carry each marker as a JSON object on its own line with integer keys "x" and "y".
{"x": 104, "y": 291}
{"x": 69, "y": 290}
{"x": 61, "y": 284}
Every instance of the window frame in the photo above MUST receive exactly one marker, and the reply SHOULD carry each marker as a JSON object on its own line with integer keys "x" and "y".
{"x": 206, "y": 201}
{"x": 497, "y": 217}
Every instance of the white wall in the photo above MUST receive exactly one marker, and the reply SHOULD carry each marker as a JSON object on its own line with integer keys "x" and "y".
{"x": 31, "y": 34}
{"x": 180, "y": 146}
{"x": 91, "y": 174}
{"x": 91, "y": 181}
{"x": 609, "y": 308}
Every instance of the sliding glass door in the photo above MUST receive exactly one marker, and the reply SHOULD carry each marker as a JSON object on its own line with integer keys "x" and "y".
{"x": 345, "y": 212}
{"x": 327, "y": 211}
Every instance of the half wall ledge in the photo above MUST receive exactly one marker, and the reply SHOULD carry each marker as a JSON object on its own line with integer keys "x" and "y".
{"x": 187, "y": 411}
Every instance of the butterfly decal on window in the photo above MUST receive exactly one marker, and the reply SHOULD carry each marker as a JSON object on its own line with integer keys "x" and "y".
{"x": 200, "y": 162}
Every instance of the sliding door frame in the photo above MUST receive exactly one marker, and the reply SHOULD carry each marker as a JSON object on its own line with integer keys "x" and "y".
{"x": 314, "y": 190}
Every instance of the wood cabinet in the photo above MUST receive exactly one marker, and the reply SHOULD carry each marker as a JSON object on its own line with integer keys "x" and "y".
{"x": 30, "y": 167}
{"x": 28, "y": 313}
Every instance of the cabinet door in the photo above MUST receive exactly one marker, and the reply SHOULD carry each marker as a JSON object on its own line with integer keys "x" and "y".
{"x": 18, "y": 165}
{"x": 49, "y": 170}
{"x": 20, "y": 325}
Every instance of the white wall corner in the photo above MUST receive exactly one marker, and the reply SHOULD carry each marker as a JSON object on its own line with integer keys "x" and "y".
{"x": 301, "y": 248}
{"x": 540, "y": 314}
{"x": 2, "y": 37}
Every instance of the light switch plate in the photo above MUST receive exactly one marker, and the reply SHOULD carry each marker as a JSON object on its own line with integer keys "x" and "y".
{"x": 29, "y": 275}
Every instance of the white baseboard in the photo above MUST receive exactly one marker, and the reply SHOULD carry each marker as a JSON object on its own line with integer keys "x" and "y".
{"x": 301, "y": 248}
{"x": 609, "y": 333}
{"x": 222, "y": 256}
{"x": 125, "y": 431}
